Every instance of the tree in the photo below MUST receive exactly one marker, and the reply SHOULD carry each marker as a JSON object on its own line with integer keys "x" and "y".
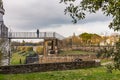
{"x": 77, "y": 9}
{"x": 90, "y": 39}
{"x": 111, "y": 52}
{"x": 109, "y": 8}
{"x": 85, "y": 37}
{"x": 75, "y": 40}
{"x": 96, "y": 39}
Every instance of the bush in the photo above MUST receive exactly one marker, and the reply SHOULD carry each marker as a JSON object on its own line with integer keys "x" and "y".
{"x": 28, "y": 48}
{"x": 39, "y": 50}
{"x": 18, "y": 48}
{"x": 25, "y": 48}
{"x": 21, "y": 48}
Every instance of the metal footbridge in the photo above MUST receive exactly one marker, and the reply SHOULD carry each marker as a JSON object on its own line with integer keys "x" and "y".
{"x": 5, "y": 47}
{"x": 34, "y": 35}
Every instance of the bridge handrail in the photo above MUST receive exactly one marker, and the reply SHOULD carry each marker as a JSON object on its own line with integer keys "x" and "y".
{"x": 58, "y": 36}
{"x": 35, "y": 35}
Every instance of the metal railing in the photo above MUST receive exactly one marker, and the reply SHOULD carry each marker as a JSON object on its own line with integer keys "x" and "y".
{"x": 34, "y": 35}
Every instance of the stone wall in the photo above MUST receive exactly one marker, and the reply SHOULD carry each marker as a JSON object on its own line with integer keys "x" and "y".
{"x": 66, "y": 58}
{"x": 85, "y": 48}
{"x": 47, "y": 67}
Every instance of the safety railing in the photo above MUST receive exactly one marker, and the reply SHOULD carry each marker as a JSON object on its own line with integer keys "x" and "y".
{"x": 34, "y": 35}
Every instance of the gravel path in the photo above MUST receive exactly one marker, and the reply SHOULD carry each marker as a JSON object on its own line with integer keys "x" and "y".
{"x": 106, "y": 63}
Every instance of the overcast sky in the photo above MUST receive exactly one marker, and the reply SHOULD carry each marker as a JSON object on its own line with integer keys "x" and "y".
{"x": 48, "y": 15}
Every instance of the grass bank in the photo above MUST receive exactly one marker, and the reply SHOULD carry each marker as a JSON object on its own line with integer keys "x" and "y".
{"x": 79, "y": 74}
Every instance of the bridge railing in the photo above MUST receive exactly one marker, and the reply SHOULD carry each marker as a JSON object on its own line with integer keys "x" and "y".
{"x": 34, "y": 35}
{"x": 58, "y": 36}
{"x": 21, "y": 35}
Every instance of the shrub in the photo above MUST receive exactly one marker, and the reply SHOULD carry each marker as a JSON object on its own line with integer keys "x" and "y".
{"x": 24, "y": 48}
{"x": 39, "y": 50}
{"x": 18, "y": 48}
{"x": 21, "y": 48}
{"x": 28, "y": 48}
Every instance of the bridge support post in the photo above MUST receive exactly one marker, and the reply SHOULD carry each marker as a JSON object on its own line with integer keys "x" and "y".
{"x": 45, "y": 48}
{"x": 55, "y": 46}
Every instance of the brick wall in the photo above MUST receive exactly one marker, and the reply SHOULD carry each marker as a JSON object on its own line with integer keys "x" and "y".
{"x": 47, "y": 67}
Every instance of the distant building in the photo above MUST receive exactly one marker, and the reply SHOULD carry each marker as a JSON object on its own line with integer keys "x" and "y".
{"x": 111, "y": 40}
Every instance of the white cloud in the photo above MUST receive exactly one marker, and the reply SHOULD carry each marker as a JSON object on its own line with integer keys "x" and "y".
{"x": 82, "y": 30}
{"x": 69, "y": 29}
{"x": 48, "y": 15}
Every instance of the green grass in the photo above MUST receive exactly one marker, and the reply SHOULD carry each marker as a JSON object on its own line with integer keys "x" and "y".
{"x": 1, "y": 77}
{"x": 16, "y": 58}
{"x": 79, "y": 74}
{"x": 20, "y": 55}
{"x": 75, "y": 52}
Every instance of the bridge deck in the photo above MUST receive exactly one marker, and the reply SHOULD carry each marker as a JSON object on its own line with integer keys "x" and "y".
{"x": 33, "y": 35}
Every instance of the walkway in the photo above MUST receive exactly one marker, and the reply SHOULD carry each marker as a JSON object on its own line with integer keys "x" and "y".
{"x": 106, "y": 63}
{"x": 33, "y": 35}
